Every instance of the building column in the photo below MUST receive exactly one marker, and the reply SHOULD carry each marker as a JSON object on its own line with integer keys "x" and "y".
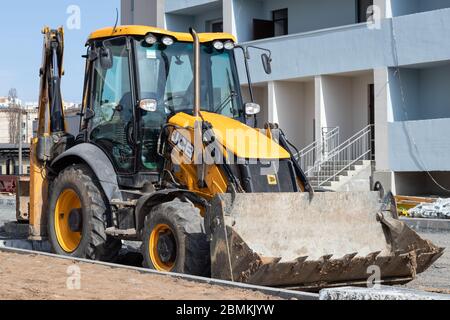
{"x": 272, "y": 107}
{"x": 385, "y": 8}
{"x": 319, "y": 107}
{"x": 383, "y": 115}
{"x": 161, "y": 14}
{"x": 229, "y": 24}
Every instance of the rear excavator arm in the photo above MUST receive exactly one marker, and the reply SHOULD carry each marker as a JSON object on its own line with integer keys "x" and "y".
{"x": 51, "y": 129}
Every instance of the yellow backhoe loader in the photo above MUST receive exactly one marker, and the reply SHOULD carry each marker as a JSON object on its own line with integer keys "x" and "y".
{"x": 165, "y": 155}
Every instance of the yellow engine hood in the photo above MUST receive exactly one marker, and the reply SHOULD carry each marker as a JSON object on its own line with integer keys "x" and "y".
{"x": 238, "y": 138}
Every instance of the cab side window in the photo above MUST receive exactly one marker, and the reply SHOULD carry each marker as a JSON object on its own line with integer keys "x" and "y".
{"x": 112, "y": 126}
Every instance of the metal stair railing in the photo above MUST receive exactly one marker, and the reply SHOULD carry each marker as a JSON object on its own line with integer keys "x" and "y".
{"x": 311, "y": 155}
{"x": 342, "y": 158}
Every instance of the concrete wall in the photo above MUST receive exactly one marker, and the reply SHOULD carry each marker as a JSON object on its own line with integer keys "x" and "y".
{"x": 294, "y": 104}
{"x": 146, "y": 12}
{"x": 419, "y": 145}
{"x": 178, "y": 5}
{"x": 421, "y": 184}
{"x": 203, "y": 20}
{"x": 360, "y": 100}
{"x": 306, "y": 15}
{"x": 178, "y": 22}
{"x": 344, "y": 102}
{"x": 355, "y": 48}
{"x": 337, "y": 104}
{"x": 260, "y": 94}
{"x": 425, "y": 91}
{"x": 405, "y": 7}
{"x": 244, "y": 13}
{"x": 303, "y": 15}
{"x": 199, "y": 17}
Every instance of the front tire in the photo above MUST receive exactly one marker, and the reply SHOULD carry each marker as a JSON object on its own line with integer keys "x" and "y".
{"x": 174, "y": 240}
{"x": 77, "y": 217}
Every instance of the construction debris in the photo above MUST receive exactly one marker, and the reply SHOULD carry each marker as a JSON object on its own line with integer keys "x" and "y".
{"x": 440, "y": 209}
{"x": 380, "y": 293}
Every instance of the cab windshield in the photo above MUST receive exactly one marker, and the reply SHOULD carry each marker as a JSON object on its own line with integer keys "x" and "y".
{"x": 166, "y": 74}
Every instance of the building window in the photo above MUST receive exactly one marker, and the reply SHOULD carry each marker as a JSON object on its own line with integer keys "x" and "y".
{"x": 363, "y": 6}
{"x": 217, "y": 26}
{"x": 280, "y": 22}
{"x": 278, "y": 26}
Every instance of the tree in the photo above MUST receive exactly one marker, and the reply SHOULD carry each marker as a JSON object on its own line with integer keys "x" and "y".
{"x": 13, "y": 111}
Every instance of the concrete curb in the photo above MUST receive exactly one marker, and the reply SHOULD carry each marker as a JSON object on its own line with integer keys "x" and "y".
{"x": 428, "y": 225}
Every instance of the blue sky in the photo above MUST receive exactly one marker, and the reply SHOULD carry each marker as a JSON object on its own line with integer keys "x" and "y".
{"x": 21, "y": 47}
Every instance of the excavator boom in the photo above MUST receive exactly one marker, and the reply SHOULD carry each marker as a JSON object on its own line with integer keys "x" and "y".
{"x": 51, "y": 126}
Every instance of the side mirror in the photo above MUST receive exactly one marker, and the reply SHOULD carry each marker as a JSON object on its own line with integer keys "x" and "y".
{"x": 106, "y": 59}
{"x": 267, "y": 63}
{"x": 148, "y": 105}
{"x": 252, "y": 108}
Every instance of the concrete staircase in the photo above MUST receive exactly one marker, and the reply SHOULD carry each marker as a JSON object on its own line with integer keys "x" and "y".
{"x": 339, "y": 166}
{"x": 355, "y": 177}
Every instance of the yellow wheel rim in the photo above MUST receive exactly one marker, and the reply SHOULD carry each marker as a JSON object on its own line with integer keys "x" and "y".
{"x": 67, "y": 239}
{"x": 162, "y": 261}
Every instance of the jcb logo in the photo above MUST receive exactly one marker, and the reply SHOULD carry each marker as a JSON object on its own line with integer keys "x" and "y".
{"x": 183, "y": 144}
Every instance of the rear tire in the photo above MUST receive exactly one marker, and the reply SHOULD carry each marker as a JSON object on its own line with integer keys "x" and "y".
{"x": 180, "y": 228}
{"x": 76, "y": 188}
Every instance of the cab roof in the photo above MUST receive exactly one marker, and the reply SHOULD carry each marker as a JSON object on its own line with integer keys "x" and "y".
{"x": 143, "y": 30}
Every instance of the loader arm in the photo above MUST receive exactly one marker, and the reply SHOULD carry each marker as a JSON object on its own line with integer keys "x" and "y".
{"x": 51, "y": 129}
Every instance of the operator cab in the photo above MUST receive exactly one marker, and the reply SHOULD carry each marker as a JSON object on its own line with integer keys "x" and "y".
{"x": 137, "y": 78}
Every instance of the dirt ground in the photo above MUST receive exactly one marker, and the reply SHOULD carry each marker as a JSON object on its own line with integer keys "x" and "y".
{"x": 43, "y": 278}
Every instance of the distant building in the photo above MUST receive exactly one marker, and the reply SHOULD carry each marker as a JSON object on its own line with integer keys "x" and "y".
{"x": 28, "y": 117}
{"x": 4, "y": 102}
{"x": 9, "y": 159}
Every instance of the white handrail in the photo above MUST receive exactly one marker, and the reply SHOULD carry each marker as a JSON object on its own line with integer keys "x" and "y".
{"x": 342, "y": 158}
{"x": 314, "y": 153}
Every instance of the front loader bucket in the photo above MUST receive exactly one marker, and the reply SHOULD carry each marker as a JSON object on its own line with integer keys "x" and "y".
{"x": 288, "y": 240}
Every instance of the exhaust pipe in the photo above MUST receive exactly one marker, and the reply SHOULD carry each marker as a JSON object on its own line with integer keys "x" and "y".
{"x": 196, "y": 72}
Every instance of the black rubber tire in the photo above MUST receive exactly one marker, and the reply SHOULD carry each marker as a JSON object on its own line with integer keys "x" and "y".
{"x": 95, "y": 244}
{"x": 193, "y": 248}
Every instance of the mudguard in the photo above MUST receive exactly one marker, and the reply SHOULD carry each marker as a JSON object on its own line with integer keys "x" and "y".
{"x": 99, "y": 163}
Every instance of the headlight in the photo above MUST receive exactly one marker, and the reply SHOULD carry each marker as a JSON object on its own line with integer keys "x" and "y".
{"x": 218, "y": 45}
{"x": 229, "y": 45}
{"x": 150, "y": 39}
{"x": 168, "y": 41}
{"x": 252, "y": 108}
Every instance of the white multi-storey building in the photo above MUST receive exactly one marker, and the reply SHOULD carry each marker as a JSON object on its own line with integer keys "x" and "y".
{"x": 375, "y": 90}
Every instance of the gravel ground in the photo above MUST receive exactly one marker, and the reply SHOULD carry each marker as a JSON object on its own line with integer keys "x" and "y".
{"x": 437, "y": 277}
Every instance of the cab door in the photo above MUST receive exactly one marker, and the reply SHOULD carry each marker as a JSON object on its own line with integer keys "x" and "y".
{"x": 112, "y": 102}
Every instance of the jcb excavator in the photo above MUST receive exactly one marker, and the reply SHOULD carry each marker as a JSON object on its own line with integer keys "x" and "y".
{"x": 164, "y": 155}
